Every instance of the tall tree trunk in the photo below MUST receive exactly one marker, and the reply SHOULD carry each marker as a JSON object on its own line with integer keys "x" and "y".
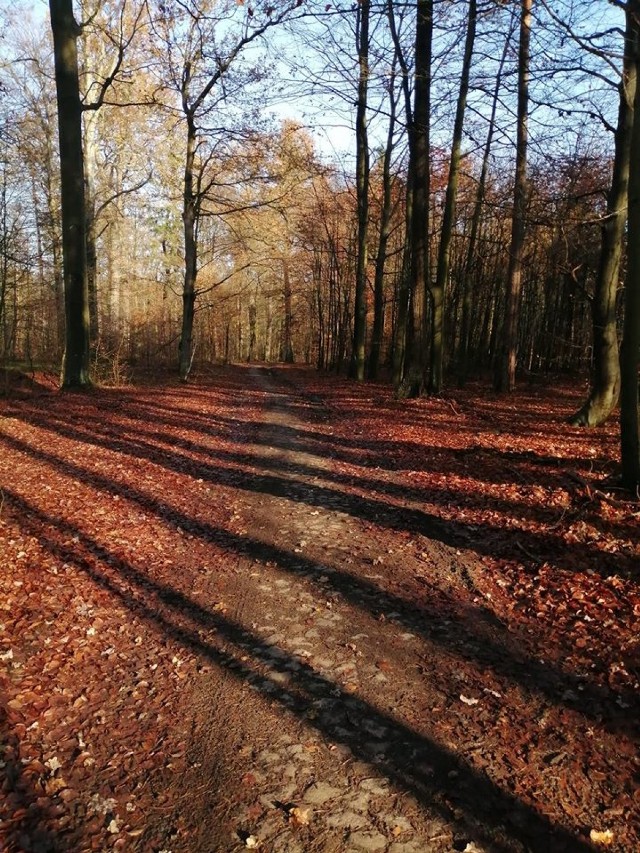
{"x": 444, "y": 252}
{"x": 65, "y": 34}
{"x": 505, "y": 368}
{"x": 404, "y": 298}
{"x": 630, "y": 350}
{"x": 465, "y": 330}
{"x": 287, "y": 345}
{"x": 4, "y": 260}
{"x": 357, "y": 366}
{"x": 190, "y": 255}
{"x": 377, "y": 334}
{"x": 605, "y": 380}
{"x": 419, "y": 153}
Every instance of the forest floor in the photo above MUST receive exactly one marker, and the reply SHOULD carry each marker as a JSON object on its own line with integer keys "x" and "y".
{"x": 281, "y": 611}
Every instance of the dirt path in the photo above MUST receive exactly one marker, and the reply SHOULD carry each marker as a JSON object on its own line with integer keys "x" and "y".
{"x": 321, "y": 735}
{"x": 229, "y": 622}
{"x": 323, "y": 662}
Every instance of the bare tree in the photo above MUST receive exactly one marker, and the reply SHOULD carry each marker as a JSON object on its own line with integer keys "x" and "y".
{"x": 505, "y": 369}
{"x": 385, "y": 227}
{"x": 605, "y": 380}
{"x": 198, "y": 66}
{"x": 75, "y": 373}
{"x": 630, "y": 350}
{"x": 438, "y": 288}
{"x": 362, "y": 190}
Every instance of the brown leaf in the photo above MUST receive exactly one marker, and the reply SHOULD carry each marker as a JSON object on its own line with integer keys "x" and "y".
{"x": 54, "y": 785}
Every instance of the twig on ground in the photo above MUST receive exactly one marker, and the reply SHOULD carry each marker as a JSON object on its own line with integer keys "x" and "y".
{"x": 531, "y": 556}
{"x": 453, "y": 408}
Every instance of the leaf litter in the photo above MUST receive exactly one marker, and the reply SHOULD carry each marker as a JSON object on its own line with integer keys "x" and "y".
{"x": 111, "y": 511}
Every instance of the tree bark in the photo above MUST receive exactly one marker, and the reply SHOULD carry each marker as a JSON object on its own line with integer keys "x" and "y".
{"x": 287, "y": 345}
{"x": 505, "y": 368}
{"x": 357, "y": 366}
{"x": 76, "y": 373}
{"x": 404, "y": 299}
{"x": 419, "y": 153}
{"x": 377, "y": 334}
{"x": 189, "y": 220}
{"x": 605, "y": 380}
{"x": 438, "y": 289}
{"x": 630, "y": 350}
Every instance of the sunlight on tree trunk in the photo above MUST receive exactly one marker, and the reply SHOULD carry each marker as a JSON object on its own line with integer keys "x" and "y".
{"x": 65, "y": 30}
{"x": 605, "y": 385}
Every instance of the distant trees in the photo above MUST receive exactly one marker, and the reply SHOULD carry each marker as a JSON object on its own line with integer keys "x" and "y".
{"x": 209, "y": 231}
{"x": 217, "y": 224}
{"x": 202, "y": 43}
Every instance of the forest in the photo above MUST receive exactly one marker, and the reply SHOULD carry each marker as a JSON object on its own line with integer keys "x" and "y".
{"x": 319, "y": 426}
{"x": 435, "y": 190}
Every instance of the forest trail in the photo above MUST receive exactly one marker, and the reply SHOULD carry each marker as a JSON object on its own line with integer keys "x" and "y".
{"x": 321, "y": 721}
{"x": 232, "y": 623}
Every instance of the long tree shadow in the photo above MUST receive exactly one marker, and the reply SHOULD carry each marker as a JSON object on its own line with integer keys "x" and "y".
{"x": 435, "y": 775}
{"x": 481, "y": 537}
{"x": 502, "y": 656}
{"x": 25, "y": 824}
{"x": 368, "y": 453}
{"x": 145, "y": 438}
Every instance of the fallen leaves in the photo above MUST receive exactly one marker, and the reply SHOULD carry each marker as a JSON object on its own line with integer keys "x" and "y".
{"x": 114, "y": 503}
{"x": 299, "y": 816}
{"x": 54, "y": 785}
{"x": 604, "y": 838}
